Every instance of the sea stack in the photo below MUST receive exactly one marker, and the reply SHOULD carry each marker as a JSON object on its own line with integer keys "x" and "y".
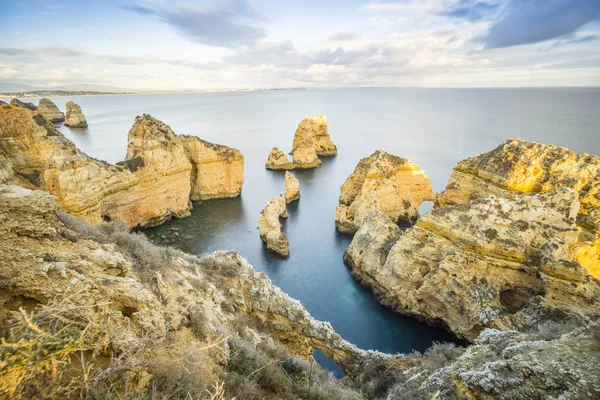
{"x": 269, "y": 226}
{"x": 316, "y": 127}
{"x": 17, "y": 102}
{"x": 217, "y": 170}
{"x": 278, "y": 160}
{"x": 394, "y": 186}
{"x": 74, "y": 117}
{"x": 292, "y": 188}
{"x": 50, "y": 111}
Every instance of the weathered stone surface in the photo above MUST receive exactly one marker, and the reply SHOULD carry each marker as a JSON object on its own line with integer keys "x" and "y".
{"x": 394, "y": 186}
{"x": 304, "y": 153}
{"x": 292, "y": 188}
{"x": 278, "y": 160}
{"x": 74, "y": 116}
{"x": 316, "y": 127}
{"x": 518, "y": 167}
{"x": 492, "y": 262}
{"x": 269, "y": 226}
{"x": 217, "y": 171}
{"x": 50, "y": 111}
{"x": 19, "y": 103}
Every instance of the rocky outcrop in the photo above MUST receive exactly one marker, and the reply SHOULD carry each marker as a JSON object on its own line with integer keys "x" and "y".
{"x": 19, "y": 103}
{"x": 278, "y": 160}
{"x": 493, "y": 262}
{"x": 3, "y": 103}
{"x": 518, "y": 167}
{"x": 269, "y": 226}
{"x": 304, "y": 153}
{"x": 50, "y": 111}
{"x": 74, "y": 117}
{"x": 217, "y": 171}
{"x": 316, "y": 128}
{"x": 392, "y": 185}
{"x": 292, "y": 188}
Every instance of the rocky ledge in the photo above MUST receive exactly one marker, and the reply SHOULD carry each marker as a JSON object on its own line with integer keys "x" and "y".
{"x": 392, "y": 185}
{"x": 292, "y": 188}
{"x": 50, "y": 111}
{"x": 74, "y": 117}
{"x": 19, "y": 103}
{"x": 270, "y": 227}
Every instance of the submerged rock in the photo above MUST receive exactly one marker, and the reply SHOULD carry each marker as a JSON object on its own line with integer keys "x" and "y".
{"x": 316, "y": 127}
{"x": 518, "y": 167}
{"x": 492, "y": 262}
{"x": 74, "y": 117}
{"x": 50, "y": 111}
{"x": 392, "y": 185}
{"x": 29, "y": 105}
{"x": 217, "y": 171}
{"x": 278, "y": 160}
{"x": 270, "y": 227}
{"x": 292, "y": 188}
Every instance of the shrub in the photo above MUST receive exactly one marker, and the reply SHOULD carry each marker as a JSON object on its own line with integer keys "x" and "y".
{"x": 441, "y": 354}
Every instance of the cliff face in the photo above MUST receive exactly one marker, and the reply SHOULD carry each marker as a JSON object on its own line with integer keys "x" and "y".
{"x": 492, "y": 262}
{"x": 269, "y": 226}
{"x": 74, "y": 116}
{"x": 217, "y": 171}
{"x": 316, "y": 128}
{"x": 50, "y": 111}
{"x": 518, "y": 167}
{"x": 392, "y": 185}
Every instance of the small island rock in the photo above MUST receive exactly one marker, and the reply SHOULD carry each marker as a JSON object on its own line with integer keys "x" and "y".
{"x": 278, "y": 160}
{"x": 269, "y": 226}
{"x": 316, "y": 127}
{"x": 292, "y": 188}
{"x": 74, "y": 116}
{"x": 50, "y": 111}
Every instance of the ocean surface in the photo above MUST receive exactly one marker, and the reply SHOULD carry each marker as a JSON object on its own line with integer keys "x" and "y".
{"x": 435, "y": 128}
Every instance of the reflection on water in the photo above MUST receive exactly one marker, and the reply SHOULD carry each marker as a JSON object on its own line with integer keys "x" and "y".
{"x": 434, "y": 128}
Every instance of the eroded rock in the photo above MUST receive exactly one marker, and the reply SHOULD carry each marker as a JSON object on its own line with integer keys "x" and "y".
{"x": 394, "y": 186}
{"x": 50, "y": 111}
{"x": 292, "y": 188}
{"x": 270, "y": 228}
{"x": 74, "y": 117}
{"x": 19, "y": 103}
{"x": 316, "y": 127}
{"x": 278, "y": 160}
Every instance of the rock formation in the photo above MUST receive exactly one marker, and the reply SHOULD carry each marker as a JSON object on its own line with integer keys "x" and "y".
{"x": 392, "y": 185}
{"x": 492, "y": 262}
{"x": 304, "y": 153}
{"x": 217, "y": 171}
{"x": 50, "y": 111}
{"x": 292, "y": 188}
{"x": 269, "y": 226}
{"x": 152, "y": 185}
{"x": 17, "y": 102}
{"x": 518, "y": 167}
{"x": 3, "y": 103}
{"x": 278, "y": 160}
{"x": 74, "y": 117}
{"x": 315, "y": 127}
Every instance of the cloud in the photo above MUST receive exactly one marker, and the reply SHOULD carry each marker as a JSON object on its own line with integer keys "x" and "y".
{"x": 60, "y": 51}
{"x": 533, "y": 21}
{"x": 342, "y": 37}
{"x": 234, "y": 24}
{"x": 472, "y": 10}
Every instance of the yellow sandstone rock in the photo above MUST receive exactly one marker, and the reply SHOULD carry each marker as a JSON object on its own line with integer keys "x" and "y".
{"x": 292, "y": 188}
{"x": 394, "y": 186}
{"x": 269, "y": 226}
{"x": 74, "y": 117}
{"x": 278, "y": 160}
{"x": 316, "y": 127}
{"x": 50, "y": 111}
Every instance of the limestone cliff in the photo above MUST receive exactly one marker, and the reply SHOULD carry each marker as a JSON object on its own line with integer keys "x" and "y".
{"x": 74, "y": 117}
{"x": 270, "y": 228}
{"x": 19, "y": 103}
{"x": 392, "y": 185}
{"x": 50, "y": 111}
{"x": 292, "y": 188}
{"x": 278, "y": 160}
{"x": 492, "y": 262}
{"x": 518, "y": 167}
{"x": 315, "y": 127}
{"x": 217, "y": 171}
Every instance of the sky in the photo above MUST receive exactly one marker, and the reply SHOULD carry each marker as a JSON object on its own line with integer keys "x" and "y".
{"x": 250, "y": 44}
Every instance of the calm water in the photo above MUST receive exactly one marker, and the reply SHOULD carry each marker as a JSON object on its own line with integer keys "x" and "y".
{"x": 434, "y": 128}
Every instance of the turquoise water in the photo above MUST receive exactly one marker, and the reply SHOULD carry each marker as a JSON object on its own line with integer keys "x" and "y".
{"x": 435, "y": 128}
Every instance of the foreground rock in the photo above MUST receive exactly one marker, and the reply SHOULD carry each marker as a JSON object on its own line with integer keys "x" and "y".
{"x": 278, "y": 160}
{"x": 292, "y": 188}
{"x": 74, "y": 117}
{"x": 315, "y": 127}
{"x": 494, "y": 262}
{"x": 19, "y": 103}
{"x": 217, "y": 171}
{"x": 270, "y": 227}
{"x": 50, "y": 111}
{"x": 394, "y": 186}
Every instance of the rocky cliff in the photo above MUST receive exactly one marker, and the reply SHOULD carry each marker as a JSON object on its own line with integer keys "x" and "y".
{"x": 493, "y": 262}
{"x": 74, "y": 116}
{"x": 217, "y": 171}
{"x": 316, "y": 128}
{"x": 292, "y": 188}
{"x": 19, "y": 103}
{"x": 270, "y": 228}
{"x": 518, "y": 167}
{"x": 50, "y": 111}
{"x": 392, "y": 185}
